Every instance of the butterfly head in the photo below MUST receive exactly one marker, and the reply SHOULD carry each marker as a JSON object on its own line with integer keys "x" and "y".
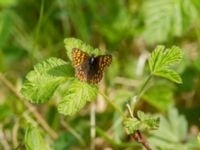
{"x": 91, "y": 61}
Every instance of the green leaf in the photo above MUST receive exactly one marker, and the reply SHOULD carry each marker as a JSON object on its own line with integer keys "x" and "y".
{"x": 169, "y": 74}
{"x": 169, "y": 18}
{"x": 161, "y": 59}
{"x": 131, "y": 124}
{"x": 41, "y": 83}
{"x": 34, "y": 140}
{"x": 148, "y": 121}
{"x": 143, "y": 122}
{"x": 76, "y": 97}
{"x": 71, "y": 43}
{"x": 172, "y": 132}
{"x": 160, "y": 95}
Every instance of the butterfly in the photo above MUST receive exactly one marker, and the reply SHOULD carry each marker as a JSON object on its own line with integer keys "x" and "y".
{"x": 89, "y": 68}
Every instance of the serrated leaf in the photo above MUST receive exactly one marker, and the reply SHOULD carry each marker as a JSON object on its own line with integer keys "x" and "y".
{"x": 143, "y": 122}
{"x": 131, "y": 124}
{"x": 76, "y": 97}
{"x": 34, "y": 140}
{"x": 41, "y": 83}
{"x": 169, "y": 74}
{"x": 172, "y": 132}
{"x": 174, "y": 16}
{"x": 71, "y": 43}
{"x": 161, "y": 59}
{"x": 148, "y": 121}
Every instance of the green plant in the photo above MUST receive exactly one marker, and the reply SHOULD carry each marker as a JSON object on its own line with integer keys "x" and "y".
{"x": 43, "y": 81}
{"x": 175, "y": 17}
{"x": 173, "y": 133}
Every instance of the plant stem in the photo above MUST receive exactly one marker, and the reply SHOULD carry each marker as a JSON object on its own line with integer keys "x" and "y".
{"x": 92, "y": 124}
{"x": 142, "y": 90}
{"x": 36, "y": 114}
{"x": 113, "y": 105}
{"x": 73, "y": 132}
{"x": 137, "y": 136}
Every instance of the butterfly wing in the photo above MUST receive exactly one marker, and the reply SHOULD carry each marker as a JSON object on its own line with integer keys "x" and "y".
{"x": 104, "y": 61}
{"x": 78, "y": 57}
{"x": 96, "y": 72}
{"x": 80, "y": 63}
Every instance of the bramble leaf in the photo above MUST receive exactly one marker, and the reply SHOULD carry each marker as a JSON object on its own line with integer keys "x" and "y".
{"x": 169, "y": 74}
{"x": 143, "y": 122}
{"x": 71, "y": 43}
{"x": 131, "y": 124}
{"x": 41, "y": 83}
{"x": 174, "y": 16}
{"x": 161, "y": 59}
{"x": 34, "y": 140}
{"x": 76, "y": 97}
{"x": 172, "y": 132}
{"x": 148, "y": 121}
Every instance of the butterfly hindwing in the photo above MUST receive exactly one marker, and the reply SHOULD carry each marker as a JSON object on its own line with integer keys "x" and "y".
{"x": 96, "y": 77}
{"x": 81, "y": 73}
{"x": 101, "y": 62}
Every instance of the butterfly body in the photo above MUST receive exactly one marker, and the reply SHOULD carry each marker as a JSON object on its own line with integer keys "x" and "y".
{"x": 89, "y": 68}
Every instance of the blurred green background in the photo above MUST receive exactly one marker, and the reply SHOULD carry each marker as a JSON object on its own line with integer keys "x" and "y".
{"x": 33, "y": 30}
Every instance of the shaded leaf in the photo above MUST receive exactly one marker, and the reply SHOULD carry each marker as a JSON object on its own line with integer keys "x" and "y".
{"x": 34, "y": 140}
{"x": 172, "y": 133}
{"x": 160, "y": 95}
{"x": 166, "y": 19}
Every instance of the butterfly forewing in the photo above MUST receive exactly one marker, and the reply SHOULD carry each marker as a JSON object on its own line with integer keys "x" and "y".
{"x": 79, "y": 61}
{"x": 79, "y": 57}
{"x": 104, "y": 61}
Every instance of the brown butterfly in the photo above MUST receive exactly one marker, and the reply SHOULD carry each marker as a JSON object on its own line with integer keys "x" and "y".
{"x": 89, "y": 68}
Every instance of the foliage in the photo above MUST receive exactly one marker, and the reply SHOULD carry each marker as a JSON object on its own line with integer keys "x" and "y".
{"x": 167, "y": 19}
{"x": 161, "y": 59}
{"x": 159, "y": 97}
{"x": 33, "y": 139}
{"x": 143, "y": 122}
{"x": 41, "y": 83}
{"x": 76, "y": 97}
{"x": 34, "y": 59}
{"x": 173, "y": 133}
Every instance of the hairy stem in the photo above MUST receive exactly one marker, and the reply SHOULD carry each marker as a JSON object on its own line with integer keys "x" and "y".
{"x": 137, "y": 136}
{"x": 142, "y": 90}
